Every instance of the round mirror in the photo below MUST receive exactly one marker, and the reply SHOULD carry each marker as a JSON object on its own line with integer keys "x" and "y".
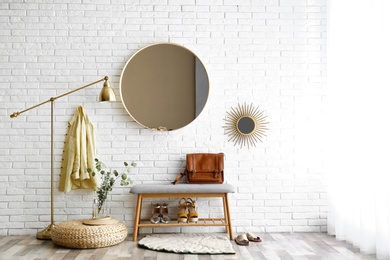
{"x": 246, "y": 125}
{"x": 164, "y": 86}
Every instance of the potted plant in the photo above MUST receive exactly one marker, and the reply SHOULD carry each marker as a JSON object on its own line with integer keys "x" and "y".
{"x": 108, "y": 180}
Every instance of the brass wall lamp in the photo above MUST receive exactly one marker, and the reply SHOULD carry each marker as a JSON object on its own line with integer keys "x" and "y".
{"x": 106, "y": 95}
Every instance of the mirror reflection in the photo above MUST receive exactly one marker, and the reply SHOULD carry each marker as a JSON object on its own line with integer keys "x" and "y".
{"x": 164, "y": 86}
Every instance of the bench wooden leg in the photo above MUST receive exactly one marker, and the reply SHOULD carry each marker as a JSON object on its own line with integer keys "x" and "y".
{"x": 137, "y": 217}
{"x": 226, "y": 207}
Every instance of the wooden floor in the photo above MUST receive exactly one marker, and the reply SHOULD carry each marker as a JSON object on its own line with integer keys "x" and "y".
{"x": 274, "y": 246}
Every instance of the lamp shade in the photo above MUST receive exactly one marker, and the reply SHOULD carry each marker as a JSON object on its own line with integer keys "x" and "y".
{"x": 106, "y": 94}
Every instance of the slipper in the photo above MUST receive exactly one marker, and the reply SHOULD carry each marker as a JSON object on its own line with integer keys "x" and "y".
{"x": 253, "y": 238}
{"x": 242, "y": 240}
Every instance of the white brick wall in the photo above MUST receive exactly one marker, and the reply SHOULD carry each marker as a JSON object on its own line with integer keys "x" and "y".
{"x": 269, "y": 52}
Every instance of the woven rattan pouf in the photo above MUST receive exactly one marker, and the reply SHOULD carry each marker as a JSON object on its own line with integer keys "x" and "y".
{"x": 74, "y": 234}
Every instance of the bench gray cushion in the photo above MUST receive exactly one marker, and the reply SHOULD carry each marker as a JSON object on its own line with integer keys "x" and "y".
{"x": 182, "y": 188}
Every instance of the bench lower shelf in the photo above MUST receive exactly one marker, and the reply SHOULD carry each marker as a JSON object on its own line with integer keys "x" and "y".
{"x": 217, "y": 222}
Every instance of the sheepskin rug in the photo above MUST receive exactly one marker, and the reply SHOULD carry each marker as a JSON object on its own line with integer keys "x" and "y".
{"x": 188, "y": 243}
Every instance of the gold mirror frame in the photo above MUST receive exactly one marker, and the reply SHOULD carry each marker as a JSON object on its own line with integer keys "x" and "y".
{"x": 251, "y": 134}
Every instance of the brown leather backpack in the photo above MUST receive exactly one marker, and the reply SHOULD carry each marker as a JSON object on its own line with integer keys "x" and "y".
{"x": 203, "y": 168}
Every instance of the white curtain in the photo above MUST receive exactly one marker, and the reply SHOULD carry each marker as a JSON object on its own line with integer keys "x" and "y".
{"x": 358, "y": 123}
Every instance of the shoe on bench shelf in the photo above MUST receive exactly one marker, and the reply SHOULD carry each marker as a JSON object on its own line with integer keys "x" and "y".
{"x": 164, "y": 214}
{"x": 192, "y": 214}
{"x": 182, "y": 216}
{"x": 156, "y": 214}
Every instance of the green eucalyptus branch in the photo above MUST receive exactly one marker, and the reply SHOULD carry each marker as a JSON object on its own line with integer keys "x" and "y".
{"x": 109, "y": 178}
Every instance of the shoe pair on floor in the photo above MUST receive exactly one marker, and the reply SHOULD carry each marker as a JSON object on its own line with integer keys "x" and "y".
{"x": 243, "y": 239}
{"x": 186, "y": 211}
{"x": 160, "y": 214}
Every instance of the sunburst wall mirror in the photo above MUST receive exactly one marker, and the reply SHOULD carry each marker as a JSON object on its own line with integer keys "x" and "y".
{"x": 245, "y": 125}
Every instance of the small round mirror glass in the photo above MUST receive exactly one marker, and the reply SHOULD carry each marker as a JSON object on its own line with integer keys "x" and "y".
{"x": 246, "y": 125}
{"x": 164, "y": 86}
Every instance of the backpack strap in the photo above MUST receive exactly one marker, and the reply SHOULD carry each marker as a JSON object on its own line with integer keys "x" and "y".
{"x": 179, "y": 176}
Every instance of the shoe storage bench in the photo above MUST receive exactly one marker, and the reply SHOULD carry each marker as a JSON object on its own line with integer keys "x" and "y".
{"x": 183, "y": 191}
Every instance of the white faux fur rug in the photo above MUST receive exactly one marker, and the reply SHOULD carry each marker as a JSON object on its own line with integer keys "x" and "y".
{"x": 188, "y": 243}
